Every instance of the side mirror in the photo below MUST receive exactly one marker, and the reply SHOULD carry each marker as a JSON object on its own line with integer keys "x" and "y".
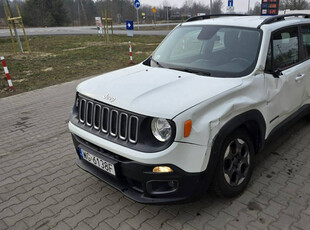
{"x": 277, "y": 73}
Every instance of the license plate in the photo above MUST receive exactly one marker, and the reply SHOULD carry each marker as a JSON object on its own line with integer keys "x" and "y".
{"x": 100, "y": 163}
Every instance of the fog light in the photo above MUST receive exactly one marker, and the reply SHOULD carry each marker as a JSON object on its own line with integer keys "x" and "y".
{"x": 162, "y": 169}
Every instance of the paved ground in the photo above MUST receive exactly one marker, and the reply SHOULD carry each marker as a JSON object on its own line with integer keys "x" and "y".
{"x": 42, "y": 188}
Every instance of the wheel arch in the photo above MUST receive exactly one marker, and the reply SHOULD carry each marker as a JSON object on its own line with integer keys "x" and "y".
{"x": 252, "y": 121}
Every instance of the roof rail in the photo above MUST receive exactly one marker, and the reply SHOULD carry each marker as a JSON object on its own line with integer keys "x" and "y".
{"x": 209, "y": 16}
{"x": 281, "y": 17}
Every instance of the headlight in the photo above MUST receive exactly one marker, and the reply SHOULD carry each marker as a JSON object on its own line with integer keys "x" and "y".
{"x": 161, "y": 129}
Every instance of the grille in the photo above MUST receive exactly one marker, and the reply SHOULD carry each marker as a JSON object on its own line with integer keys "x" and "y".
{"x": 108, "y": 120}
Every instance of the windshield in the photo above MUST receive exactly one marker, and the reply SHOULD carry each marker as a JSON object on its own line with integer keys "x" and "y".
{"x": 219, "y": 51}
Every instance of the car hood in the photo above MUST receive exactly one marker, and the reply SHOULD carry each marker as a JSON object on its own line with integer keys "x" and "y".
{"x": 153, "y": 91}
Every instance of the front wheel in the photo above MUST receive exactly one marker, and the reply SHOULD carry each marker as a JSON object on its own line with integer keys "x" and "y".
{"x": 235, "y": 166}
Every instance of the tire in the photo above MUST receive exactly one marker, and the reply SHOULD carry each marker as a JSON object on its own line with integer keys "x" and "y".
{"x": 235, "y": 165}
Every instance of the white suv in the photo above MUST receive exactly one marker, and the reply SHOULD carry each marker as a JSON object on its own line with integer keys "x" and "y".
{"x": 196, "y": 112}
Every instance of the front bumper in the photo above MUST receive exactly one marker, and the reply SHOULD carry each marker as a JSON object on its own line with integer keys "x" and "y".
{"x": 138, "y": 182}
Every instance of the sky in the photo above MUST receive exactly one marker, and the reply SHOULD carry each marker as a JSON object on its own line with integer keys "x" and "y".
{"x": 240, "y": 5}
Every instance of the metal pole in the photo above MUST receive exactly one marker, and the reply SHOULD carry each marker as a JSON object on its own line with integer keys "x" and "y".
{"x": 14, "y": 28}
{"x": 249, "y": 6}
{"x": 210, "y": 6}
{"x": 138, "y": 19}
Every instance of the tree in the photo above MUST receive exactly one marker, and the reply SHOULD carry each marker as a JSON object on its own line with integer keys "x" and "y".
{"x": 294, "y": 4}
{"x": 256, "y": 10}
{"x": 44, "y": 13}
{"x": 217, "y": 7}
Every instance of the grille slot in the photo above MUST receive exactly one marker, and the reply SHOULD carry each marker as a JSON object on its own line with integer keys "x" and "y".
{"x": 123, "y": 124}
{"x": 82, "y": 110}
{"x": 97, "y": 112}
{"x": 89, "y": 113}
{"x": 133, "y": 128}
{"x": 114, "y": 123}
{"x": 109, "y": 121}
{"x": 105, "y": 120}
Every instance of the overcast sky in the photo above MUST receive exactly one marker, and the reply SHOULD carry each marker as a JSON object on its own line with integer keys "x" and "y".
{"x": 240, "y": 5}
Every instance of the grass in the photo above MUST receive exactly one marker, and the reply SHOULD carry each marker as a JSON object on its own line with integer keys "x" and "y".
{"x": 58, "y": 59}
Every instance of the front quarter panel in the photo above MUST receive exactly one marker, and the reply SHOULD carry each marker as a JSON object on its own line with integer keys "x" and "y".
{"x": 210, "y": 116}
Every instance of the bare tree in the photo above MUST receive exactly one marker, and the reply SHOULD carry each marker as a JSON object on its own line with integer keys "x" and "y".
{"x": 294, "y": 4}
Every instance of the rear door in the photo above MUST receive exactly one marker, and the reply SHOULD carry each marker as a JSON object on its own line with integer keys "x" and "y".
{"x": 305, "y": 31}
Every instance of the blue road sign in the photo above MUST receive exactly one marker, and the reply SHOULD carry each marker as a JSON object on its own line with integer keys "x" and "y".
{"x": 230, "y": 3}
{"x": 137, "y": 4}
{"x": 129, "y": 25}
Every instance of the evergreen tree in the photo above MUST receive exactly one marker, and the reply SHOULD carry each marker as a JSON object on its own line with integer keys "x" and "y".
{"x": 44, "y": 13}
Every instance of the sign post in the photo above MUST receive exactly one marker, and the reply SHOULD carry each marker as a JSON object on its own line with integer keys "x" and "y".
{"x": 137, "y": 5}
{"x": 129, "y": 28}
{"x": 99, "y": 25}
{"x": 154, "y": 12}
{"x": 270, "y": 7}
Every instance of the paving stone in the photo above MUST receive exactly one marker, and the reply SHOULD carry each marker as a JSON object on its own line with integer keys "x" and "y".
{"x": 125, "y": 226}
{"x": 3, "y": 225}
{"x": 138, "y": 219}
{"x": 118, "y": 206}
{"x": 235, "y": 208}
{"x": 83, "y": 226}
{"x": 284, "y": 221}
{"x": 303, "y": 222}
{"x": 242, "y": 221}
{"x": 104, "y": 225}
{"x": 200, "y": 220}
{"x": 62, "y": 226}
{"x": 10, "y": 221}
{"x": 118, "y": 219}
{"x": 59, "y": 217}
{"x": 221, "y": 220}
{"x": 19, "y": 207}
{"x": 158, "y": 220}
{"x": 293, "y": 210}
{"x": 40, "y": 219}
{"x": 273, "y": 209}
{"x": 74, "y": 220}
{"x": 95, "y": 220}
{"x": 146, "y": 226}
{"x": 262, "y": 221}
{"x": 78, "y": 207}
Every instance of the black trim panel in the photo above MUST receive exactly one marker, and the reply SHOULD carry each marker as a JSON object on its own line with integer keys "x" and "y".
{"x": 137, "y": 181}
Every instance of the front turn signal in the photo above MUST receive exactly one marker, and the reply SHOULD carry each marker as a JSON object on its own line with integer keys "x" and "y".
{"x": 187, "y": 128}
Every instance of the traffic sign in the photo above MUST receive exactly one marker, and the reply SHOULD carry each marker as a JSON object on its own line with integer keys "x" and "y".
{"x": 230, "y": 3}
{"x": 129, "y": 25}
{"x": 137, "y": 4}
{"x": 154, "y": 9}
{"x": 129, "y": 28}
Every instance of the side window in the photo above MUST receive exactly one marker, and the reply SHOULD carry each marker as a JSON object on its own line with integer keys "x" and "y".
{"x": 285, "y": 48}
{"x": 305, "y": 30}
{"x": 269, "y": 59}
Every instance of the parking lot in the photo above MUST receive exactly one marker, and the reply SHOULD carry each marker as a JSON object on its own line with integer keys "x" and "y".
{"x": 42, "y": 188}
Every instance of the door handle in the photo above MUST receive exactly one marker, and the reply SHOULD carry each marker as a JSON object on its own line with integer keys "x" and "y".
{"x": 299, "y": 77}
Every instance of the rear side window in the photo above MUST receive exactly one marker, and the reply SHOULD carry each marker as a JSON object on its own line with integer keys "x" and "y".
{"x": 283, "y": 50}
{"x": 305, "y": 30}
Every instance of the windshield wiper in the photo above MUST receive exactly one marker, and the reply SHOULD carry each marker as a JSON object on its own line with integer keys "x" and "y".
{"x": 198, "y": 72}
{"x": 157, "y": 63}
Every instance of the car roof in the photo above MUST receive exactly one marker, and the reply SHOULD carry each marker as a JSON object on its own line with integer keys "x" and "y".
{"x": 250, "y": 21}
